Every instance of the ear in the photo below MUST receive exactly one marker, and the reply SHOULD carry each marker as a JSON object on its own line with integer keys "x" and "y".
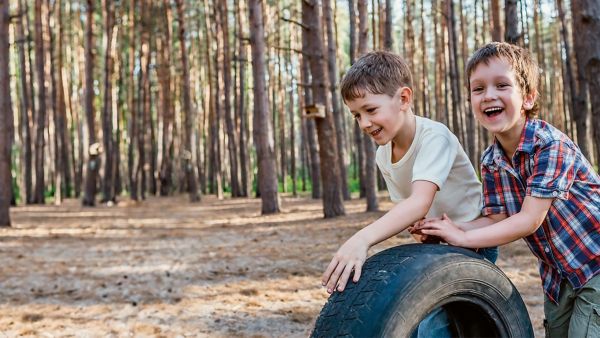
{"x": 404, "y": 94}
{"x": 529, "y": 100}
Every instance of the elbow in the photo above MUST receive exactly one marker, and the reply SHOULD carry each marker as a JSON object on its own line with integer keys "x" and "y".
{"x": 534, "y": 222}
{"x": 422, "y": 208}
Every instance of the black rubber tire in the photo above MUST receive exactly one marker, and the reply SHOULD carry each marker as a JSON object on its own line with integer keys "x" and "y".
{"x": 401, "y": 285}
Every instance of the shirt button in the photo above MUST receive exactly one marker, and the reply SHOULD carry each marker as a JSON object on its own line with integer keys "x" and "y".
{"x": 555, "y": 193}
{"x": 547, "y": 249}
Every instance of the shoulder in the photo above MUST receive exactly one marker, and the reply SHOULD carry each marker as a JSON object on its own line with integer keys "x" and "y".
{"x": 546, "y": 135}
{"x": 433, "y": 129}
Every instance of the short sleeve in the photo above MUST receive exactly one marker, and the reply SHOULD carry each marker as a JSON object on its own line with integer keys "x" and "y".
{"x": 493, "y": 198}
{"x": 553, "y": 171}
{"x": 434, "y": 160}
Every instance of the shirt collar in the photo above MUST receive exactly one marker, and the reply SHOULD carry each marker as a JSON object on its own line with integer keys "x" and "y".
{"x": 526, "y": 143}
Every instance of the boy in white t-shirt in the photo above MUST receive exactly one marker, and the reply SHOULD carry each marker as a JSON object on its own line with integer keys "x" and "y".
{"x": 425, "y": 168}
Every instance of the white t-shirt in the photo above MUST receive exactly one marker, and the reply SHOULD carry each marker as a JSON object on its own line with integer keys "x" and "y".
{"x": 435, "y": 155}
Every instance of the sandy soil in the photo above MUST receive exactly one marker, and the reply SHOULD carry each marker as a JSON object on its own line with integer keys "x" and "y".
{"x": 166, "y": 267}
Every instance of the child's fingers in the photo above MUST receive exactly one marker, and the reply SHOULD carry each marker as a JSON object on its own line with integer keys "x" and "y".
{"x": 335, "y": 276}
{"x": 357, "y": 272}
{"x": 327, "y": 274}
{"x": 432, "y": 231}
{"x": 344, "y": 277}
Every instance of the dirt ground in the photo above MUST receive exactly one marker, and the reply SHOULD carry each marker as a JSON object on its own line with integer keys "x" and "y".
{"x": 165, "y": 267}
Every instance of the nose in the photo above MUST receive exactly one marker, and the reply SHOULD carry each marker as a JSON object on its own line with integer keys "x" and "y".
{"x": 490, "y": 94}
{"x": 364, "y": 122}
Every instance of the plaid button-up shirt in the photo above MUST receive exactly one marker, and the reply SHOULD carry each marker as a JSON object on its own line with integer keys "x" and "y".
{"x": 547, "y": 164}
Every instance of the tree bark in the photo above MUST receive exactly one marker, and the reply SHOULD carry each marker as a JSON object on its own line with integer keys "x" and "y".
{"x": 262, "y": 131}
{"x": 89, "y": 195}
{"x": 495, "y": 26}
{"x": 232, "y": 144}
{"x": 578, "y": 88}
{"x": 163, "y": 70}
{"x": 187, "y": 109}
{"x": 62, "y": 153}
{"x": 26, "y": 105}
{"x": 40, "y": 118}
{"x": 310, "y": 141}
{"x": 370, "y": 165}
{"x": 107, "y": 113}
{"x": 586, "y": 22}
{"x": 335, "y": 99}
{"x": 389, "y": 39}
{"x": 241, "y": 106}
{"x": 330, "y": 173}
{"x": 6, "y": 119}
{"x": 511, "y": 23}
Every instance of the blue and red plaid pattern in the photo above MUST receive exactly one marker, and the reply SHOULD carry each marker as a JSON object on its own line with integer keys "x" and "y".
{"x": 547, "y": 164}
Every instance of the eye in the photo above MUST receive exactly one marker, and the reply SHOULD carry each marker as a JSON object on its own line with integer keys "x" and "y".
{"x": 370, "y": 110}
{"x": 502, "y": 85}
{"x": 476, "y": 89}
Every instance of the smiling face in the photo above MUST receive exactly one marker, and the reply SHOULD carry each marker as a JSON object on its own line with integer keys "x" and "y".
{"x": 497, "y": 100}
{"x": 381, "y": 116}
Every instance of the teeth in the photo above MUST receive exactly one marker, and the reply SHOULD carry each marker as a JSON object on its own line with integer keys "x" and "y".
{"x": 492, "y": 110}
{"x": 375, "y": 132}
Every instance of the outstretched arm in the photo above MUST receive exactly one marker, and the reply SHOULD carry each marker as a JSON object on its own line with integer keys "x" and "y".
{"x": 522, "y": 224}
{"x": 352, "y": 254}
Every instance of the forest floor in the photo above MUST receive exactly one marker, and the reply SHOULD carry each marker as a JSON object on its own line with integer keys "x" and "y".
{"x": 165, "y": 267}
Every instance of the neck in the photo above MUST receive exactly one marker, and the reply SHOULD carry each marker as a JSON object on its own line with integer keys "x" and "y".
{"x": 510, "y": 139}
{"x": 402, "y": 141}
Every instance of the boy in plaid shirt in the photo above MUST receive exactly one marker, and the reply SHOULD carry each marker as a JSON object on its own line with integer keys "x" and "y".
{"x": 537, "y": 185}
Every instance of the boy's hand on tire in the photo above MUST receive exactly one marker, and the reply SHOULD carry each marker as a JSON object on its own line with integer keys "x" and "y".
{"x": 444, "y": 228}
{"x": 350, "y": 257}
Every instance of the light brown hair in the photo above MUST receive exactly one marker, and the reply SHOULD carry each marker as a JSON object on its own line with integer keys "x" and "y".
{"x": 378, "y": 72}
{"x": 524, "y": 66}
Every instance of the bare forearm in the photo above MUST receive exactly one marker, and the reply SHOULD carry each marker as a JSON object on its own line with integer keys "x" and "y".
{"x": 481, "y": 222}
{"x": 394, "y": 221}
{"x": 502, "y": 232}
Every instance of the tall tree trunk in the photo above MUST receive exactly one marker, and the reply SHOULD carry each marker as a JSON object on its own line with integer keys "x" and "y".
{"x": 352, "y": 28}
{"x": 511, "y": 23}
{"x": 586, "y": 22}
{"x": 263, "y": 132}
{"x": 6, "y": 119}
{"x": 370, "y": 165}
{"x": 578, "y": 90}
{"x": 454, "y": 76}
{"x": 89, "y": 194}
{"x": 107, "y": 113}
{"x": 495, "y": 26}
{"x": 335, "y": 99}
{"x": 40, "y": 118}
{"x": 232, "y": 144}
{"x": 330, "y": 173}
{"x": 133, "y": 158}
{"x": 359, "y": 152}
{"x": 388, "y": 40}
{"x": 26, "y": 105}
{"x": 53, "y": 136}
{"x": 62, "y": 153}
{"x": 241, "y": 106}
{"x": 310, "y": 140}
{"x": 144, "y": 100}
{"x": 164, "y": 80}
{"x": 187, "y": 109}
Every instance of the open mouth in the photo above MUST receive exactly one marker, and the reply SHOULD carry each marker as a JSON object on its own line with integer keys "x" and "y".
{"x": 493, "y": 111}
{"x": 376, "y": 132}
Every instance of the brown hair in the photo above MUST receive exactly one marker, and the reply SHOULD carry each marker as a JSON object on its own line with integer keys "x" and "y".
{"x": 525, "y": 68}
{"x": 378, "y": 72}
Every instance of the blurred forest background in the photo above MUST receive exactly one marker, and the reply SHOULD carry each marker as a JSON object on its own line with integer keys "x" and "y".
{"x": 104, "y": 100}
